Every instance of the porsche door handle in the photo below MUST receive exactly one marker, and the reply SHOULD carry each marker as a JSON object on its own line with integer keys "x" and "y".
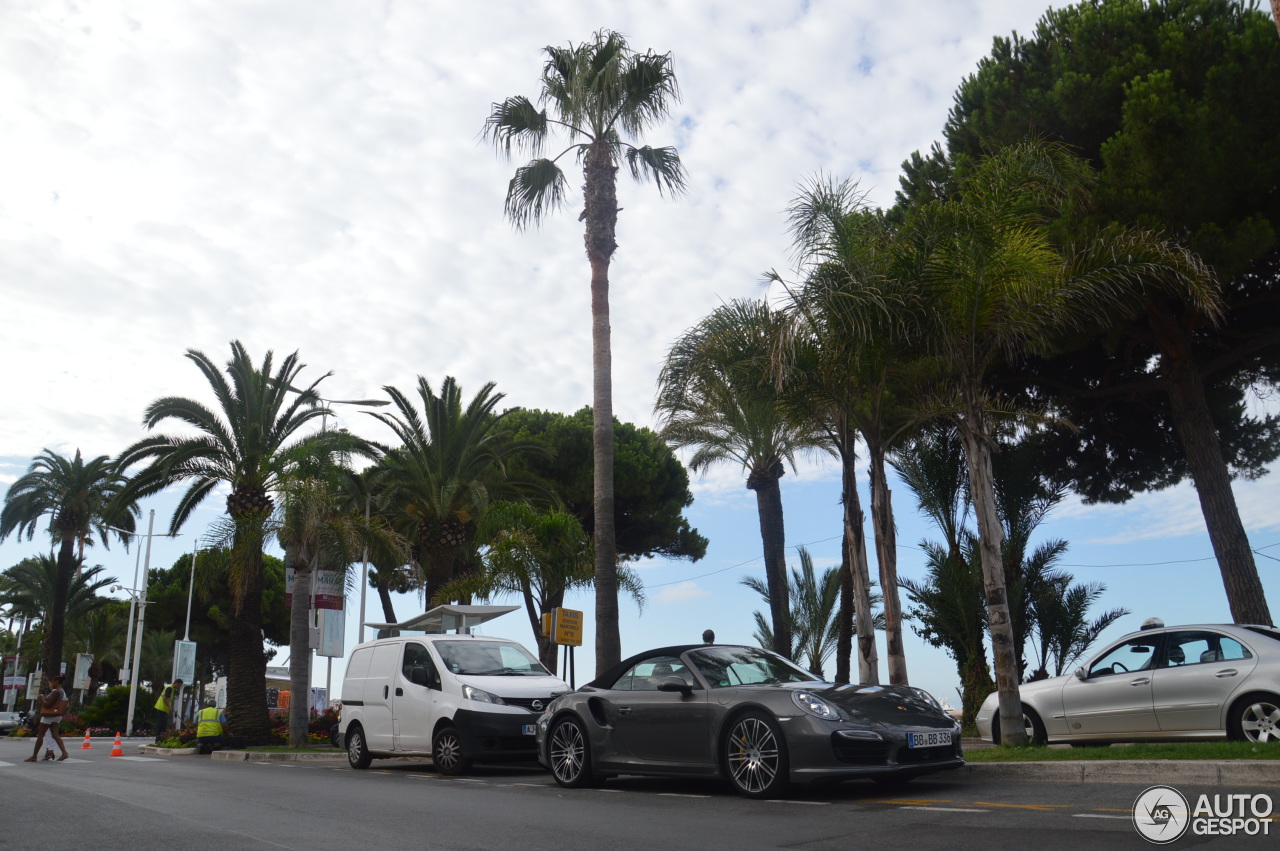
{"x": 1141, "y": 682}
{"x": 624, "y": 710}
{"x": 1229, "y": 672}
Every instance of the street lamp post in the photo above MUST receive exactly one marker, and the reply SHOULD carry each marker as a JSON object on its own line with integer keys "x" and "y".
{"x": 128, "y": 640}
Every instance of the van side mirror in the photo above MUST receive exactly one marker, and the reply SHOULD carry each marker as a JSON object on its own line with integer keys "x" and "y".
{"x": 674, "y": 683}
{"x": 418, "y": 675}
{"x": 1080, "y": 675}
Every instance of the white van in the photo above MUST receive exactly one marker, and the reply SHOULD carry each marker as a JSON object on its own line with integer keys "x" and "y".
{"x": 456, "y": 697}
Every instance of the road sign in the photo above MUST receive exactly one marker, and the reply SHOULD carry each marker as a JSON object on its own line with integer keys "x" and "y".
{"x": 566, "y": 627}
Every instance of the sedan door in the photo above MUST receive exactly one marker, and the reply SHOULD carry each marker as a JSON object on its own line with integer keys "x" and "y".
{"x": 1202, "y": 670}
{"x": 661, "y": 727}
{"x": 1116, "y": 694}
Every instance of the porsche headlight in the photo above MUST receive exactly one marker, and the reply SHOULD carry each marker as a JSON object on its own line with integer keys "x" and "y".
{"x": 814, "y": 705}
{"x": 479, "y": 695}
{"x": 926, "y": 697}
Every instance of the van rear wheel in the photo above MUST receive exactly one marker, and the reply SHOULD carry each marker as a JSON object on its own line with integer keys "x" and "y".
{"x": 446, "y": 752}
{"x": 358, "y": 749}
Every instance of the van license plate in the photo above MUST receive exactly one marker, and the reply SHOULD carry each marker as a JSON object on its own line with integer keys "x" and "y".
{"x": 928, "y": 740}
{"x": 529, "y": 729}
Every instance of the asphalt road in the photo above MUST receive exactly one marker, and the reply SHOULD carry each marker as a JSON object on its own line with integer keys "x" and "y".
{"x": 141, "y": 802}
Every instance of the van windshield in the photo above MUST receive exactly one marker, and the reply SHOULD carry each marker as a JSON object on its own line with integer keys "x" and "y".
{"x": 489, "y": 659}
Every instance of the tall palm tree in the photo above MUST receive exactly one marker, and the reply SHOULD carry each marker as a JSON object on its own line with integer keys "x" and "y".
{"x": 601, "y": 93}
{"x": 99, "y": 633}
{"x": 322, "y": 530}
{"x": 246, "y": 442}
{"x": 995, "y": 288}
{"x": 451, "y": 464}
{"x": 843, "y": 245}
{"x": 79, "y": 498}
{"x": 716, "y": 395}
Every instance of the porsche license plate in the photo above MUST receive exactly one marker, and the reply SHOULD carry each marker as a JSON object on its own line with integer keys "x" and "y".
{"x": 928, "y": 740}
{"x": 529, "y": 729}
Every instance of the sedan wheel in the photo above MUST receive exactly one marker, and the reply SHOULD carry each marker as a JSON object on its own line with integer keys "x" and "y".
{"x": 1258, "y": 720}
{"x": 570, "y": 754}
{"x": 755, "y": 756}
{"x": 357, "y": 751}
{"x": 446, "y": 753}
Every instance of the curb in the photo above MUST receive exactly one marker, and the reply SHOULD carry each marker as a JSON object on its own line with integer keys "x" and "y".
{"x": 253, "y": 756}
{"x": 155, "y": 751}
{"x": 1191, "y": 772}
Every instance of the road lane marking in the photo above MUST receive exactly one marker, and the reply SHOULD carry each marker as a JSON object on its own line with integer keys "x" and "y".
{"x": 1041, "y": 807}
{"x": 1099, "y": 815}
{"x": 915, "y": 802}
{"x": 802, "y": 803}
{"x": 946, "y": 809}
{"x": 679, "y": 795}
{"x": 138, "y": 758}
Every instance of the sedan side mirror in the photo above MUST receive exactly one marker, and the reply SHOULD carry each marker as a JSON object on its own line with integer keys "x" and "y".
{"x": 674, "y": 683}
{"x": 1080, "y": 675}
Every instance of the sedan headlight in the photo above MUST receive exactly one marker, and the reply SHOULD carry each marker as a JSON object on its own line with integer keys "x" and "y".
{"x": 814, "y": 705}
{"x": 480, "y": 695}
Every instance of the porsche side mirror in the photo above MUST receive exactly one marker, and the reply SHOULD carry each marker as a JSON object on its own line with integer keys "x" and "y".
{"x": 676, "y": 684}
{"x": 1080, "y": 675}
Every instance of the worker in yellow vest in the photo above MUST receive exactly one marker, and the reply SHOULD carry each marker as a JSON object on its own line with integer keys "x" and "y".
{"x": 164, "y": 706}
{"x": 209, "y": 725}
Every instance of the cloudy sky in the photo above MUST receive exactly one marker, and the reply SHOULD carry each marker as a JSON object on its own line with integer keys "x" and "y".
{"x": 310, "y": 176}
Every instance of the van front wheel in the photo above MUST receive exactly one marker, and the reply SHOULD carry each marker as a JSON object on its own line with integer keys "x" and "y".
{"x": 446, "y": 752}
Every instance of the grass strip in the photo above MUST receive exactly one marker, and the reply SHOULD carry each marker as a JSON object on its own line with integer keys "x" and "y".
{"x": 1178, "y": 750}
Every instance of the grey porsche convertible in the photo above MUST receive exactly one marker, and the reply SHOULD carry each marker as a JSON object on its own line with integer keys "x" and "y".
{"x": 744, "y": 714}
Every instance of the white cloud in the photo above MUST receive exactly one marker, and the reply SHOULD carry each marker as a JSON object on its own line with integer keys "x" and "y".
{"x": 681, "y": 592}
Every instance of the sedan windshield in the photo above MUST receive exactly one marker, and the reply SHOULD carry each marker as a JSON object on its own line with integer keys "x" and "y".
{"x": 724, "y": 667}
{"x": 489, "y": 658}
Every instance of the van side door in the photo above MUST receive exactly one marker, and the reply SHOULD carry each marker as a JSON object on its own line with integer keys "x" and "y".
{"x": 378, "y": 699}
{"x": 417, "y": 696}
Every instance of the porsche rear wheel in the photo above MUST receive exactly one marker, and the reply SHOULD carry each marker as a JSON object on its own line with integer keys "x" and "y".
{"x": 569, "y": 753}
{"x": 755, "y": 756}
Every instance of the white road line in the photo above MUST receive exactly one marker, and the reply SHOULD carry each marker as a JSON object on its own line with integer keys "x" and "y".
{"x": 679, "y": 795}
{"x": 530, "y": 785}
{"x": 140, "y": 758}
{"x": 801, "y": 803}
{"x": 946, "y": 809}
{"x": 1098, "y": 815}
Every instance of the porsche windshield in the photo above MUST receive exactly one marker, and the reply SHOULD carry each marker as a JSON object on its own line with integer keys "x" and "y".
{"x": 489, "y": 658}
{"x": 724, "y": 667}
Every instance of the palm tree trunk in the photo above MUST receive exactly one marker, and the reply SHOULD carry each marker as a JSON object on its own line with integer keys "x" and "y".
{"x": 56, "y": 627}
{"x": 990, "y": 533}
{"x": 299, "y": 649}
{"x": 247, "y": 664}
{"x": 1275, "y": 13}
{"x": 856, "y": 553}
{"x": 887, "y": 557}
{"x": 844, "y": 634}
{"x": 773, "y": 536}
{"x": 601, "y": 214}
{"x": 1198, "y": 435}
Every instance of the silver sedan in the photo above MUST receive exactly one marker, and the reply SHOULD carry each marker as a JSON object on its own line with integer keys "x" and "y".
{"x": 1180, "y": 683}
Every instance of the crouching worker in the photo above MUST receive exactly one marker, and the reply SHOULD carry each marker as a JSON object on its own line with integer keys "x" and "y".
{"x": 209, "y": 724}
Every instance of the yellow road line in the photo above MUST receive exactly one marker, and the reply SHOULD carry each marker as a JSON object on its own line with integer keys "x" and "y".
{"x": 1041, "y": 807}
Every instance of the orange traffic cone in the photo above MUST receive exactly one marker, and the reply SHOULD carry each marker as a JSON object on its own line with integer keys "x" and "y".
{"x": 117, "y": 749}
{"x": 86, "y": 746}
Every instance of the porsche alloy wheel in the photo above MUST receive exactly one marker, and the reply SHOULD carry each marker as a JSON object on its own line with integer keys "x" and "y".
{"x": 570, "y": 754}
{"x": 755, "y": 756}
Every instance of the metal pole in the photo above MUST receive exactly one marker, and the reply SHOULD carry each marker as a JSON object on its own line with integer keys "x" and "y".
{"x": 133, "y": 611}
{"x": 17, "y": 665}
{"x": 186, "y": 633}
{"x": 364, "y": 576}
{"x": 142, "y": 616}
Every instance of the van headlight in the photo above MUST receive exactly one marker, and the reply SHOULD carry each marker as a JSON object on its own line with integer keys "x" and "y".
{"x": 480, "y": 695}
